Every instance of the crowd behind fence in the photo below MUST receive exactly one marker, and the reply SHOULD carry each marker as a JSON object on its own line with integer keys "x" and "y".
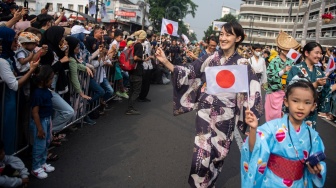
{"x": 22, "y": 110}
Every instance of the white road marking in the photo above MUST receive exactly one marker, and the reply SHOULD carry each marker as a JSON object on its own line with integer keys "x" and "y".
{"x": 238, "y": 138}
{"x": 330, "y": 122}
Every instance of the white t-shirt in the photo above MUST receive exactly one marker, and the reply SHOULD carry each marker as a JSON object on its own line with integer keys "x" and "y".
{"x": 115, "y": 43}
{"x": 20, "y": 67}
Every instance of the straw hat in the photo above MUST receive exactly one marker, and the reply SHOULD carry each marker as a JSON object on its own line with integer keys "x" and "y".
{"x": 286, "y": 42}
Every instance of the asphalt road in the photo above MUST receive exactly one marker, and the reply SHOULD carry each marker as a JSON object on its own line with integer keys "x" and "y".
{"x": 152, "y": 150}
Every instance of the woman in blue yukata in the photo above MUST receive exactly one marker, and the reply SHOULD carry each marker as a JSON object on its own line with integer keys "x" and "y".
{"x": 217, "y": 115}
{"x": 278, "y": 153}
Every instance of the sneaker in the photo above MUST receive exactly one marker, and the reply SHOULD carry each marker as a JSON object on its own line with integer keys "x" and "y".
{"x": 39, "y": 173}
{"x": 48, "y": 168}
{"x": 132, "y": 112}
{"x": 89, "y": 121}
{"x": 123, "y": 94}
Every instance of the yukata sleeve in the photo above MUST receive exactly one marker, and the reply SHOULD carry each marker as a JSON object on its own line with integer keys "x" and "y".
{"x": 318, "y": 179}
{"x": 253, "y": 164}
{"x": 294, "y": 71}
{"x": 272, "y": 72}
{"x": 255, "y": 102}
{"x": 187, "y": 87}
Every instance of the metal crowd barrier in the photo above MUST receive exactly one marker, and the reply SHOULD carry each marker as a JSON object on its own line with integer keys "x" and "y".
{"x": 22, "y": 109}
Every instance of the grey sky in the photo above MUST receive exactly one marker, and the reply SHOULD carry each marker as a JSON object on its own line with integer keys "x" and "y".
{"x": 208, "y": 11}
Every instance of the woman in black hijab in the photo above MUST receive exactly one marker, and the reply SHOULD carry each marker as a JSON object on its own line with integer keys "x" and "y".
{"x": 58, "y": 59}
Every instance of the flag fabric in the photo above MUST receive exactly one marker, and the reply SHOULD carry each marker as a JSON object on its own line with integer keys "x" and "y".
{"x": 185, "y": 39}
{"x": 331, "y": 64}
{"x": 92, "y": 7}
{"x": 293, "y": 55}
{"x": 103, "y": 13}
{"x": 230, "y": 78}
{"x": 169, "y": 27}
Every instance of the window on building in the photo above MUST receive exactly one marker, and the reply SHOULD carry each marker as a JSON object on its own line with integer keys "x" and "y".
{"x": 251, "y": 2}
{"x": 262, "y": 33}
{"x": 264, "y": 18}
{"x": 280, "y": 19}
{"x": 80, "y": 8}
{"x": 256, "y": 18}
{"x": 267, "y": 3}
{"x": 70, "y": 6}
{"x": 59, "y": 7}
{"x": 258, "y": 2}
{"x": 273, "y": 19}
{"x": 274, "y": 4}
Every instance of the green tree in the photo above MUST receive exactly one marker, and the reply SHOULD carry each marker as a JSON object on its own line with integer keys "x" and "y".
{"x": 227, "y": 18}
{"x": 160, "y": 8}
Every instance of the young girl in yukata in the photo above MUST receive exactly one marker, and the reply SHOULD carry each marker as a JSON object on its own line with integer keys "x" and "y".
{"x": 274, "y": 154}
{"x": 40, "y": 125}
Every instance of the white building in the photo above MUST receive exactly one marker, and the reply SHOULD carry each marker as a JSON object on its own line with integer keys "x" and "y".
{"x": 124, "y": 14}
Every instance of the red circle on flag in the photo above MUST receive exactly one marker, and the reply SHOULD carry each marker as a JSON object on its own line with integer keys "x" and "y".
{"x": 170, "y": 28}
{"x": 294, "y": 55}
{"x": 225, "y": 79}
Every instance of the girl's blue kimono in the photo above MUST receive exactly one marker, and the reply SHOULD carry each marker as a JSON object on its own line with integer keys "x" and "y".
{"x": 273, "y": 138}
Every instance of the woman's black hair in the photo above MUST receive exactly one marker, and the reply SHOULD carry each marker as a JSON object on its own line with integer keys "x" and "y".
{"x": 301, "y": 84}
{"x": 42, "y": 75}
{"x": 234, "y": 28}
{"x": 256, "y": 46}
{"x": 309, "y": 47}
{"x": 213, "y": 38}
{"x": 42, "y": 20}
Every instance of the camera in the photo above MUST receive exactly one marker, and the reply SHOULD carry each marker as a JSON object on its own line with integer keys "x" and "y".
{"x": 316, "y": 158}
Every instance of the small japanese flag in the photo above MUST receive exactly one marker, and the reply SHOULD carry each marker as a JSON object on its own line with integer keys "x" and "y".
{"x": 331, "y": 64}
{"x": 230, "y": 78}
{"x": 185, "y": 39}
{"x": 293, "y": 55}
{"x": 169, "y": 27}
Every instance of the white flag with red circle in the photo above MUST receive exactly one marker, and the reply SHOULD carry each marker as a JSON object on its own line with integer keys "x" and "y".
{"x": 331, "y": 64}
{"x": 293, "y": 55}
{"x": 229, "y": 78}
{"x": 169, "y": 27}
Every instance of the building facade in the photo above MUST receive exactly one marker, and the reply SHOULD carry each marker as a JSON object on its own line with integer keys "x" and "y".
{"x": 128, "y": 15}
{"x": 263, "y": 19}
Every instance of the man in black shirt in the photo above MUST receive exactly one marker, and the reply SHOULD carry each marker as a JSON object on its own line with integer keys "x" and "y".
{"x": 135, "y": 76}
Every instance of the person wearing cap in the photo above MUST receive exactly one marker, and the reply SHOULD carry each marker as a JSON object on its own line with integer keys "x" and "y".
{"x": 135, "y": 78}
{"x": 277, "y": 71}
{"x": 26, "y": 52}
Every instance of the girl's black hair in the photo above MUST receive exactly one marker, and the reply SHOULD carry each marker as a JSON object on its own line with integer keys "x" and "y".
{"x": 42, "y": 20}
{"x": 309, "y": 47}
{"x": 234, "y": 28}
{"x": 42, "y": 75}
{"x": 301, "y": 84}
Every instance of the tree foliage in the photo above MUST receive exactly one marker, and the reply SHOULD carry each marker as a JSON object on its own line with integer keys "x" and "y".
{"x": 161, "y": 8}
{"x": 227, "y": 18}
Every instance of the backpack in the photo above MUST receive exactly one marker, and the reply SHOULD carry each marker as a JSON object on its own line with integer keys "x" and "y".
{"x": 126, "y": 59}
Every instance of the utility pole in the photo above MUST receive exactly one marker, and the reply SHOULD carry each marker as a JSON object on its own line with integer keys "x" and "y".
{"x": 144, "y": 11}
{"x": 305, "y": 24}
{"x": 319, "y": 21}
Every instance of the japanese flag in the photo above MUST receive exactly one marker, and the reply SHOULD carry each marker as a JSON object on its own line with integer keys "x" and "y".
{"x": 293, "y": 55}
{"x": 185, "y": 39}
{"x": 169, "y": 27}
{"x": 331, "y": 64}
{"x": 230, "y": 78}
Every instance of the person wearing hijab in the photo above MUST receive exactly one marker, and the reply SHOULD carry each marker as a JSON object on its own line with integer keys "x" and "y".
{"x": 91, "y": 58}
{"x": 56, "y": 57}
{"x": 9, "y": 45}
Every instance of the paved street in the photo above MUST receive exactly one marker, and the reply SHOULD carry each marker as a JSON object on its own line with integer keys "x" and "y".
{"x": 152, "y": 150}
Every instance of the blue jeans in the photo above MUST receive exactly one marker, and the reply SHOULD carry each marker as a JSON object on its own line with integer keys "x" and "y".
{"x": 63, "y": 112}
{"x": 97, "y": 90}
{"x": 40, "y": 146}
{"x": 108, "y": 89}
{"x": 9, "y": 121}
